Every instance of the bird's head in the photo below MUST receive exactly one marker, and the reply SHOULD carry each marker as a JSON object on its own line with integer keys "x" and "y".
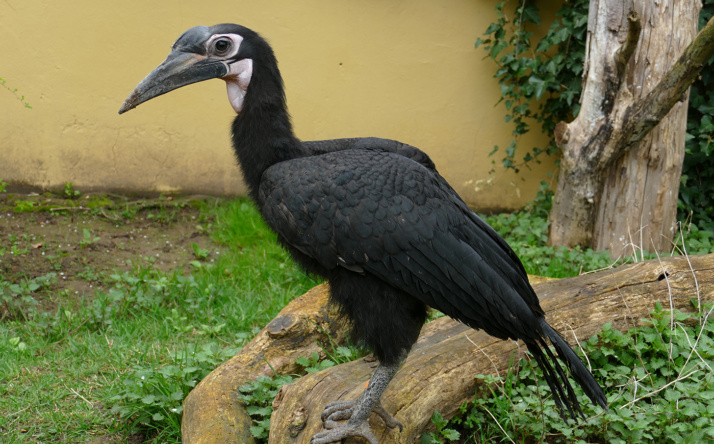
{"x": 227, "y": 51}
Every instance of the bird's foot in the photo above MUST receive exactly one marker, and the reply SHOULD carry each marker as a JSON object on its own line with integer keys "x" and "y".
{"x": 357, "y": 412}
{"x": 341, "y": 410}
{"x": 342, "y": 431}
{"x": 338, "y": 410}
{"x": 389, "y": 420}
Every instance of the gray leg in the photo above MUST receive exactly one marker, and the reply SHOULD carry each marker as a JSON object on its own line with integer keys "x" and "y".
{"x": 357, "y": 411}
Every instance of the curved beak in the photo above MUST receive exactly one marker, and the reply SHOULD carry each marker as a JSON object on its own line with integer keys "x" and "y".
{"x": 179, "y": 69}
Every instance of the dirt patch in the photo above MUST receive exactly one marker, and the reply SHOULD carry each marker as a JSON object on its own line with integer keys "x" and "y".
{"x": 76, "y": 243}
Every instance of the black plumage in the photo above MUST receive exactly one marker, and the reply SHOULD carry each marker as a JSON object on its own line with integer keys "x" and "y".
{"x": 376, "y": 219}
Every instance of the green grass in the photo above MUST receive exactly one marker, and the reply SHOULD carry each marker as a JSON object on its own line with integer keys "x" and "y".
{"x": 258, "y": 395}
{"x": 121, "y": 362}
{"x": 658, "y": 379}
{"x": 527, "y": 234}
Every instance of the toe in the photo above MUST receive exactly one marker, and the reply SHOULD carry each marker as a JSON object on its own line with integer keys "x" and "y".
{"x": 389, "y": 420}
{"x": 343, "y": 431}
{"x": 343, "y": 410}
{"x": 339, "y": 415}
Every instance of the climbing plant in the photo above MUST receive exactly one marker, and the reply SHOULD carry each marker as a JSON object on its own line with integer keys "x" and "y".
{"x": 695, "y": 193}
{"x": 541, "y": 82}
{"x": 20, "y": 97}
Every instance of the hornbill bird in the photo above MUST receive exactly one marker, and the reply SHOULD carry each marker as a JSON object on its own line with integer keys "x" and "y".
{"x": 373, "y": 217}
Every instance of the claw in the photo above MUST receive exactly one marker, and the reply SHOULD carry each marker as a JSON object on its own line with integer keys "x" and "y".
{"x": 357, "y": 412}
{"x": 389, "y": 420}
{"x": 330, "y": 424}
{"x": 340, "y": 415}
{"x": 343, "y": 431}
{"x": 342, "y": 410}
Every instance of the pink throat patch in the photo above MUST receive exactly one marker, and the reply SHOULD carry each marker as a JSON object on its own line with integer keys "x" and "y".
{"x": 237, "y": 81}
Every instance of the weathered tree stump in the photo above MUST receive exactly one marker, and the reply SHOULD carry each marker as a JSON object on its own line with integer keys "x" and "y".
{"x": 439, "y": 373}
{"x": 621, "y": 157}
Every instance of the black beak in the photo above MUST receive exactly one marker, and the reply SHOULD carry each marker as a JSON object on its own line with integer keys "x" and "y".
{"x": 179, "y": 69}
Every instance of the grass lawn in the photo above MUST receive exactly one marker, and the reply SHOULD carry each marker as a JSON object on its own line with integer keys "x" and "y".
{"x": 90, "y": 350}
{"x": 112, "y": 309}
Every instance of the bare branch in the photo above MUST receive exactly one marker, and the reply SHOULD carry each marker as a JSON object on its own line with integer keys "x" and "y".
{"x": 647, "y": 113}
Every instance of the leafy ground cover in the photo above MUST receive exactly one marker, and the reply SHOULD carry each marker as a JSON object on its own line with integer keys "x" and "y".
{"x": 658, "y": 379}
{"x": 112, "y": 308}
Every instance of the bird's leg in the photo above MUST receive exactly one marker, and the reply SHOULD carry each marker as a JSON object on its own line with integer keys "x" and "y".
{"x": 358, "y": 410}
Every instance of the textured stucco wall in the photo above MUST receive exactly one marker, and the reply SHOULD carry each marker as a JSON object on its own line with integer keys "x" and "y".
{"x": 405, "y": 70}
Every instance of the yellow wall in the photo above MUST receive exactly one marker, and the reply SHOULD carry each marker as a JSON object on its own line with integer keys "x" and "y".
{"x": 405, "y": 70}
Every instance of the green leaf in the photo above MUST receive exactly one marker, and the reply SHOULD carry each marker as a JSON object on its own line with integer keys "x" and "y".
{"x": 257, "y": 431}
{"x": 707, "y": 108}
{"x": 303, "y": 361}
{"x": 169, "y": 370}
{"x": 344, "y": 352}
{"x": 327, "y": 363}
{"x": 429, "y": 438}
{"x": 707, "y": 124}
{"x": 672, "y": 395}
{"x": 706, "y": 394}
{"x": 450, "y": 434}
{"x": 530, "y": 13}
{"x": 539, "y": 86}
{"x": 438, "y": 420}
{"x": 493, "y": 27}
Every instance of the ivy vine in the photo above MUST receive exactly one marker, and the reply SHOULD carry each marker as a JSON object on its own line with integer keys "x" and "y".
{"x": 21, "y": 98}
{"x": 540, "y": 82}
{"x": 696, "y": 195}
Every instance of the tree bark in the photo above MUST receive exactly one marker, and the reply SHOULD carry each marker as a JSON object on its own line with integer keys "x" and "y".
{"x": 212, "y": 412}
{"x": 619, "y": 178}
{"x": 439, "y": 372}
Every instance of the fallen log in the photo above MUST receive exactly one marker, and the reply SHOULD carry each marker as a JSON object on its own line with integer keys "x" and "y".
{"x": 439, "y": 373}
{"x": 212, "y": 412}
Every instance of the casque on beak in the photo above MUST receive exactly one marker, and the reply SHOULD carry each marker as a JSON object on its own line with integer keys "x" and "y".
{"x": 180, "y": 68}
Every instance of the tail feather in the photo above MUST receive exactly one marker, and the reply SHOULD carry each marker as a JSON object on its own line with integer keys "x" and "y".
{"x": 560, "y": 386}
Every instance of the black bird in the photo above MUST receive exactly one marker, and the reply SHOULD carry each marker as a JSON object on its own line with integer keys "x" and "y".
{"x": 374, "y": 218}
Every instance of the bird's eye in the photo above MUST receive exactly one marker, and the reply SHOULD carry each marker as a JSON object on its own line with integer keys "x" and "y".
{"x": 222, "y": 46}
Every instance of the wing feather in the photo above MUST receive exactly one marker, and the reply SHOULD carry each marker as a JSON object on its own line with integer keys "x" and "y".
{"x": 380, "y": 212}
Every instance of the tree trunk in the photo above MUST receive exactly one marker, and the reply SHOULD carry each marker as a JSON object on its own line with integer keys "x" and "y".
{"x": 619, "y": 178}
{"x": 439, "y": 373}
{"x": 642, "y": 187}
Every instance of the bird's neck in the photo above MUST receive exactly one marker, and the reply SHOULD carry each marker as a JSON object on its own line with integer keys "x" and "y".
{"x": 262, "y": 133}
